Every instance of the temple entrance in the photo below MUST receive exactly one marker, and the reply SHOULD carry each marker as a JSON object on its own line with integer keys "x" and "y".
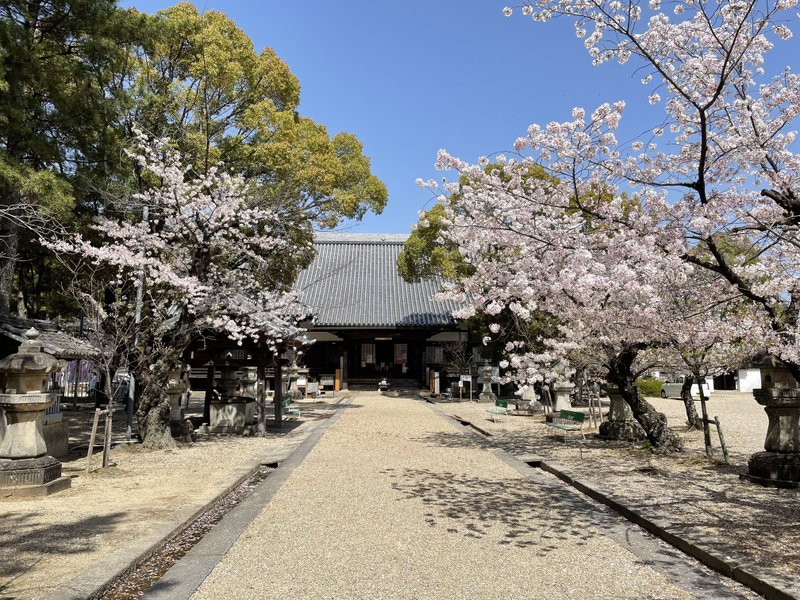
{"x": 393, "y": 359}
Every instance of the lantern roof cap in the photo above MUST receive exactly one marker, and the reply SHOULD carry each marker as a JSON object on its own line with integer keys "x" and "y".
{"x": 30, "y": 358}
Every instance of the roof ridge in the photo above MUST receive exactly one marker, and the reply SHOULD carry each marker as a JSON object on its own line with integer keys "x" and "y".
{"x": 328, "y": 237}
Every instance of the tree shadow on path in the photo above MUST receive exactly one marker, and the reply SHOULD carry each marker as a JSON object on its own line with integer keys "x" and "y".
{"x": 516, "y": 512}
{"x": 25, "y": 542}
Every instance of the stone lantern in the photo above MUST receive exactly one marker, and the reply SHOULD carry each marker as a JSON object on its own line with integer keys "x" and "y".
{"x": 249, "y": 382}
{"x": 779, "y": 464}
{"x": 25, "y": 467}
{"x": 294, "y": 392}
{"x": 485, "y": 378}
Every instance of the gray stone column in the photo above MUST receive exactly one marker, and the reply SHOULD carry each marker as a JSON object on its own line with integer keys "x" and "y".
{"x": 227, "y": 381}
{"x": 175, "y": 388}
{"x": 294, "y": 392}
{"x": 563, "y": 391}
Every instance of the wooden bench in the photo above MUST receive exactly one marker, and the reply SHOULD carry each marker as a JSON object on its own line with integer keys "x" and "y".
{"x": 568, "y": 420}
{"x": 499, "y": 409}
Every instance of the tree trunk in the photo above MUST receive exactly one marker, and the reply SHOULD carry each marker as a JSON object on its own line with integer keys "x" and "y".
{"x": 691, "y": 412}
{"x": 154, "y": 424}
{"x": 8, "y": 262}
{"x": 154, "y": 410}
{"x": 653, "y": 422}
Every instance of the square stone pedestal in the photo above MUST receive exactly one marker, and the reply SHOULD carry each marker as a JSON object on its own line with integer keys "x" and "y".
{"x": 232, "y": 417}
{"x": 31, "y": 477}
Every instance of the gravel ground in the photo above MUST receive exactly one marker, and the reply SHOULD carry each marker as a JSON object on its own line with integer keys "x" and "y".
{"x": 395, "y": 502}
{"x": 701, "y": 496}
{"x": 45, "y": 542}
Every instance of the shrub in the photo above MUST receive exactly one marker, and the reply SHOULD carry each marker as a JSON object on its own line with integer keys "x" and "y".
{"x": 649, "y": 387}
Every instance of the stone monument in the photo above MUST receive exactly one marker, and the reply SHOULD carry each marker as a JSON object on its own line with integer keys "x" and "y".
{"x": 563, "y": 390}
{"x": 779, "y": 464}
{"x": 25, "y": 467}
{"x": 621, "y": 424}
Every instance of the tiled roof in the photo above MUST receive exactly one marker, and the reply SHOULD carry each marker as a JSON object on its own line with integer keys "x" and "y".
{"x": 54, "y": 340}
{"x": 353, "y": 282}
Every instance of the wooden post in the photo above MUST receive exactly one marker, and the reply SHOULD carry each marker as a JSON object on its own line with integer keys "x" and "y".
{"x": 261, "y": 393}
{"x": 75, "y": 384}
{"x": 278, "y": 399}
{"x": 345, "y": 370}
{"x": 721, "y": 439}
{"x": 706, "y": 430}
{"x": 107, "y": 437}
{"x": 209, "y": 394}
{"x": 91, "y": 439}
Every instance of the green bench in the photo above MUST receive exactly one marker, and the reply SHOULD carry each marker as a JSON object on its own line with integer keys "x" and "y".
{"x": 500, "y": 409}
{"x": 289, "y": 410}
{"x": 567, "y": 421}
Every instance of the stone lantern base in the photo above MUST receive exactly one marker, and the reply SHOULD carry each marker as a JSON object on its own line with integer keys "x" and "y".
{"x": 779, "y": 466}
{"x": 31, "y": 477}
{"x": 774, "y": 469}
{"x": 487, "y": 395}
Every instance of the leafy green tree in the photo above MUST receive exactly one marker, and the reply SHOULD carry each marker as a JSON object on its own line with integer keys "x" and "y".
{"x": 425, "y": 253}
{"x": 203, "y": 85}
{"x": 60, "y": 92}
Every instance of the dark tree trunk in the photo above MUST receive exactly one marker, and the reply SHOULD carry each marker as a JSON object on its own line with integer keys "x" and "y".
{"x": 691, "y": 412}
{"x": 8, "y": 261}
{"x": 653, "y": 422}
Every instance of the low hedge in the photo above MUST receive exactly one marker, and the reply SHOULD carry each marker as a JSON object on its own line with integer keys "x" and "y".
{"x": 649, "y": 387}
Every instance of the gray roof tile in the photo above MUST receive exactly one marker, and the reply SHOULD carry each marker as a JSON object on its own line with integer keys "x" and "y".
{"x": 353, "y": 282}
{"x": 55, "y": 341}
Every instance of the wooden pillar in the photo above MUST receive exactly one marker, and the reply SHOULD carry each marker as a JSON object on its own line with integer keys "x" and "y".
{"x": 345, "y": 368}
{"x": 261, "y": 393}
{"x": 279, "y": 393}
{"x": 209, "y": 394}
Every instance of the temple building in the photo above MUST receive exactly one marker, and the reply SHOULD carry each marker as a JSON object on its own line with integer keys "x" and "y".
{"x": 367, "y": 323}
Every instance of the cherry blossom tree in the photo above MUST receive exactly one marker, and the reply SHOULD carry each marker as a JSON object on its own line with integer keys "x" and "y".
{"x": 721, "y": 166}
{"x": 710, "y": 329}
{"x": 532, "y": 250}
{"x": 209, "y": 260}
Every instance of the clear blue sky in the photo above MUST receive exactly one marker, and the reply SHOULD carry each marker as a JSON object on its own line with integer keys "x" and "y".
{"x": 414, "y": 76}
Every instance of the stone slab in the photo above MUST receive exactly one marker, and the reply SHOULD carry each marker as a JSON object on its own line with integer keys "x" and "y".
{"x": 56, "y": 436}
{"x": 32, "y": 491}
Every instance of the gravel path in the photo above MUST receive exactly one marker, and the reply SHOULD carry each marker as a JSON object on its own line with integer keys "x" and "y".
{"x": 385, "y": 506}
{"x": 760, "y": 526}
